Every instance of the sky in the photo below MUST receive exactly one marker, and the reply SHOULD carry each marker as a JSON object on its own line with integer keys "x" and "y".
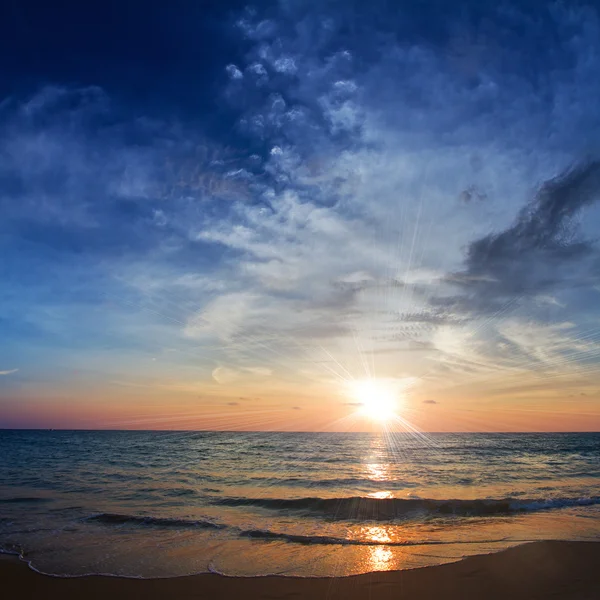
{"x": 242, "y": 216}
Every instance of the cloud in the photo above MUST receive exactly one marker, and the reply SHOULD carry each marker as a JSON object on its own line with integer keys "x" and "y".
{"x": 77, "y": 183}
{"x": 8, "y": 372}
{"x": 472, "y": 194}
{"x": 430, "y": 317}
{"x": 537, "y": 253}
{"x": 225, "y": 375}
{"x": 385, "y": 189}
{"x": 259, "y": 371}
{"x": 233, "y": 404}
{"x": 362, "y": 199}
{"x": 429, "y": 402}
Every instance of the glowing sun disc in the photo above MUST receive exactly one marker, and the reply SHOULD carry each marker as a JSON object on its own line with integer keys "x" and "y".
{"x": 377, "y": 400}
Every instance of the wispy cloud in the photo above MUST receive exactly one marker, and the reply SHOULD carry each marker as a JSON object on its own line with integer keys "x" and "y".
{"x": 8, "y": 372}
{"x": 538, "y": 253}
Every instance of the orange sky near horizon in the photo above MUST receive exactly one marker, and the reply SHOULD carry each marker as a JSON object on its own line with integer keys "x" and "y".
{"x": 153, "y": 410}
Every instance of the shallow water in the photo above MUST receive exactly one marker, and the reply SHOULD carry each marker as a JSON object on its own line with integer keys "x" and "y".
{"x": 151, "y": 504}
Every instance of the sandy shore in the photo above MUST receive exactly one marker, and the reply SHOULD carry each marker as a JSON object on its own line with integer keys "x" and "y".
{"x": 538, "y": 570}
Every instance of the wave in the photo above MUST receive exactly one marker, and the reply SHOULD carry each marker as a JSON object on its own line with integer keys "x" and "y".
{"x": 331, "y": 483}
{"x": 120, "y": 519}
{"x": 265, "y": 534}
{"x": 360, "y": 508}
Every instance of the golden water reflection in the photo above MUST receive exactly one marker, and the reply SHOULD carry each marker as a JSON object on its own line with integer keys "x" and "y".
{"x": 381, "y": 558}
{"x": 377, "y": 472}
{"x": 376, "y": 465}
{"x": 381, "y": 495}
{"x": 376, "y": 534}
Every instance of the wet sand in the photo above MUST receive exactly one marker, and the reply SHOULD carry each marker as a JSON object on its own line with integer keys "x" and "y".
{"x": 543, "y": 570}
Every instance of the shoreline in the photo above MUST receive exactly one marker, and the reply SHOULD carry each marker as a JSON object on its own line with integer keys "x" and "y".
{"x": 547, "y": 569}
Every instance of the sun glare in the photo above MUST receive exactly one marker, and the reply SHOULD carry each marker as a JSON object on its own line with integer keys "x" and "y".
{"x": 378, "y": 401}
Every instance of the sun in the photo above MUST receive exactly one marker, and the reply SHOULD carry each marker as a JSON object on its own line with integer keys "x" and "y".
{"x": 377, "y": 399}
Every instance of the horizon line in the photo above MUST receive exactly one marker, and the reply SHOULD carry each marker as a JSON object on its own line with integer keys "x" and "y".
{"x": 279, "y": 431}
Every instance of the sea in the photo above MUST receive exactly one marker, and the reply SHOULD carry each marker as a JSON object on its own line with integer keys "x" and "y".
{"x": 158, "y": 504}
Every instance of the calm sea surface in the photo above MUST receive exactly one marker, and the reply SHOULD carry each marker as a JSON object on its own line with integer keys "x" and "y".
{"x": 152, "y": 504}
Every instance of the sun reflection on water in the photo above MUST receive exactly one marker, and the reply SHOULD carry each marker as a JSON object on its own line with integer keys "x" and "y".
{"x": 376, "y": 534}
{"x": 377, "y": 472}
{"x": 380, "y": 558}
{"x": 381, "y": 495}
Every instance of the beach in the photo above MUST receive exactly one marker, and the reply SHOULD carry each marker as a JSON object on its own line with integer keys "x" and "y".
{"x": 565, "y": 570}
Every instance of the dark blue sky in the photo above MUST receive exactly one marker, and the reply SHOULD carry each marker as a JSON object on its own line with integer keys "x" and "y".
{"x": 171, "y": 56}
{"x": 152, "y": 57}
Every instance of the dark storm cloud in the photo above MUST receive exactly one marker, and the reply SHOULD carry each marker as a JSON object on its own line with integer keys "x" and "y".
{"x": 541, "y": 251}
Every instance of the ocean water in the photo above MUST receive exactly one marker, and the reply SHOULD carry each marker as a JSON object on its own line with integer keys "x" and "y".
{"x": 155, "y": 504}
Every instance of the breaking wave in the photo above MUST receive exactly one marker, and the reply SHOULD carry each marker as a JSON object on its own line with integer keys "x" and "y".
{"x": 119, "y": 519}
{"x": 361, "y": 508}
